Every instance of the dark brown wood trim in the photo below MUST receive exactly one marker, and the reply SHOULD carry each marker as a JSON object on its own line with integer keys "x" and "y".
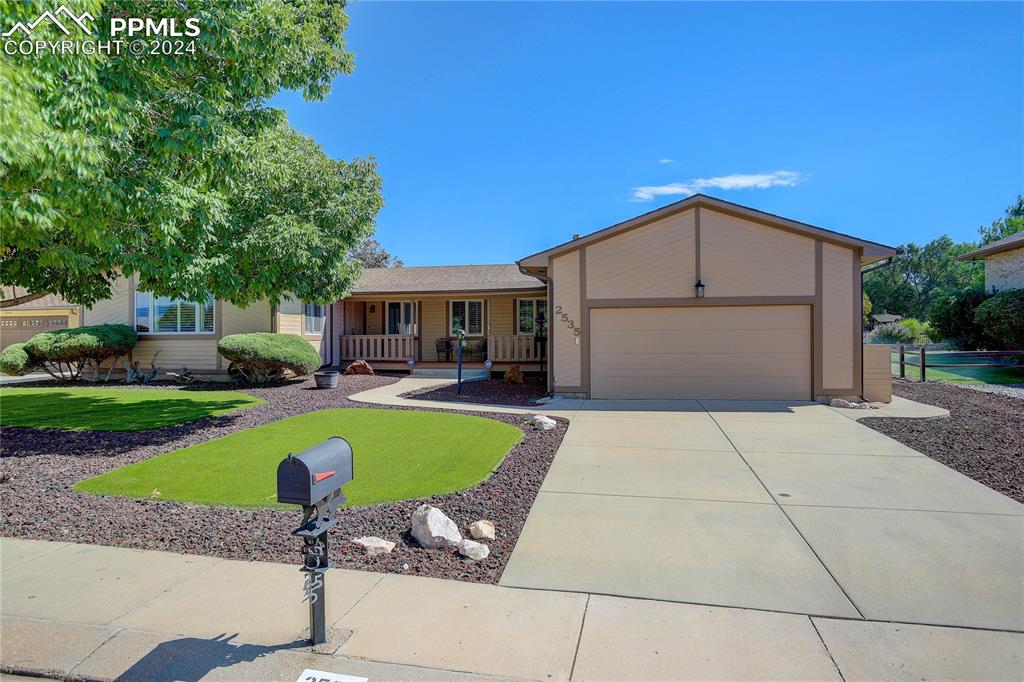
{"x": 696, "y": 242}
{"x": 584, "y": 324}
{"x": 858, "y": 324}
{"x": 819, "y": 333}
{"x": 131, "y": 303}
{"x": 551, "y": 327}
{"x": 218, "y": 325}
{"x": 698, "y": 302}
{"x": 455, "y": 294}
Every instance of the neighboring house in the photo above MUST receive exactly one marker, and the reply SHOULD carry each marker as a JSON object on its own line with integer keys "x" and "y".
{"x": 1004, "y": 262}
{"x": 885, "y": 318}
{"x": 186, "y": 333}
{"x": 21, "y": 322}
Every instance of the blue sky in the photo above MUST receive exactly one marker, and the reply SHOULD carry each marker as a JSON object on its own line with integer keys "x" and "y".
{"x": 502, "y": 128}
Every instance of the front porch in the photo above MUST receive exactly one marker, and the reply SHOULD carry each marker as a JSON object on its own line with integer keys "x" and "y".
{"x": 385, "y": 350}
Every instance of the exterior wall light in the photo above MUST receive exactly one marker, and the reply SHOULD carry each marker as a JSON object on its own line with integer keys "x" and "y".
{"x": 699, "y": 286}
{"x": 488, "y": 364}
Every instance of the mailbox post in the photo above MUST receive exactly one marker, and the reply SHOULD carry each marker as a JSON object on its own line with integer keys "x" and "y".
{"x": 313, "y": 479}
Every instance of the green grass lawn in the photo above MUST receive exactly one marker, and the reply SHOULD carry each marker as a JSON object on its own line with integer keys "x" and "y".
{"x": 110, "y": 409}
{"x": 1005, "y": 374}
{"x": 399, "y": 455}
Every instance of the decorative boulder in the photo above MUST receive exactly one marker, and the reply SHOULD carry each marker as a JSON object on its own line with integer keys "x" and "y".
{"x": 473, "y": 550}
{"x": 542, "y": 423}
{"x": 839, "y": 402}
{"x": 482, "y": 530}
{"x": 514, "y": 374}
{"x": 374, "y": 546}
{"x": 359, "y": 367}
{"x": 433, "y": 529}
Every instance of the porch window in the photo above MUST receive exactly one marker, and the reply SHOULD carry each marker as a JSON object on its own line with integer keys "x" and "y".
{"x": 527, "y": 314}
{"x": 164, "y": 315}
{"x": 401, "y": 319}
{"x": 313, "y": 318}
{"x": 468, "y": 315}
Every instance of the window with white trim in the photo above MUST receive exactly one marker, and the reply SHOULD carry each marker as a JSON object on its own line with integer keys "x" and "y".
{"x": 528, "y": 308}
{"x": 467, "y": 315}
{"x": 313, "y": 318}
{"x": 400, "y": 318}
{"x": 164, "y": 315}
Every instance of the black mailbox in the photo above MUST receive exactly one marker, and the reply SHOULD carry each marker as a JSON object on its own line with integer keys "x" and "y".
{"x": 313, "y": 478}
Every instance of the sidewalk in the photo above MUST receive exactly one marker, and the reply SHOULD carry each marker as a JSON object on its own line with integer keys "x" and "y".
{"x": 103, "y": 613}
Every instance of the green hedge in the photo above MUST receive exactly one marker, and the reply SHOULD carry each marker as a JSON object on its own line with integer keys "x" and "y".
{"x": 14, "y": 360}
{"x": 1002, "y": 319}
{"x": 951, "y": 315}
{"x": 260, "y": 357}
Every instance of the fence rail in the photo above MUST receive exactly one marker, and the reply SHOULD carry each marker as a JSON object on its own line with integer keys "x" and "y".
{"x": 923, "y": 364}
{"x": 378, "y": 347}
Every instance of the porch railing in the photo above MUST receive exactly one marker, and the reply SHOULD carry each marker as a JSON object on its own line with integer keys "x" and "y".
{"x": 378, "y": 347}
{"x": 512, "y": 348}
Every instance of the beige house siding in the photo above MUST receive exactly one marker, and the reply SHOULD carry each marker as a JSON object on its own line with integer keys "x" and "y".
{"x": 175, "y": 353}
{"x": 289, "y": 317}
{"x": 567, "y": 347}
{"x": 235, "y": 320}
{"x": 878, "y": 373}
{"x": 503, "y": 315}
{"x": 1005, "y": 270}
{"x": 653, "y": 261}
{"x": 837, "y": 318}
{"x": 742, "y": 258}
{"x": 113, "y": 310}
{"x": 433, "y": 325}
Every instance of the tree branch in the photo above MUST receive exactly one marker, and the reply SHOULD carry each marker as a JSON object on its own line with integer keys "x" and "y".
{"x": 18, "y": 300}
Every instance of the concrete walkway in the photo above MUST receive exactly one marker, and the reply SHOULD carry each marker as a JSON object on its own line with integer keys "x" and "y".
{"x": 91, "y": 612}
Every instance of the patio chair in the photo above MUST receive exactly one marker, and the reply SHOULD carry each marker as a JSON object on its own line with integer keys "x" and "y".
{"x": 443, "y": 347}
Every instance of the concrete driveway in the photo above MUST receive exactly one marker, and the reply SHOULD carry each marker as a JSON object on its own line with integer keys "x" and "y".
{"x": 787, "y": 507}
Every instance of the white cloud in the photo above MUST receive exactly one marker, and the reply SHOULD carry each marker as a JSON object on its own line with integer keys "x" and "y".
{"x": 779, "y": 178}
{"x": 665, "y": 161}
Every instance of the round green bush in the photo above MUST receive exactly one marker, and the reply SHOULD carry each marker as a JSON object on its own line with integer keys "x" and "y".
{"x": 14, "y": 360}
{"x": 1002, "y": 319}
{"x": 260, "y": 357}
{"x": 893, "y": 332}
{"x": 79, "y": 345}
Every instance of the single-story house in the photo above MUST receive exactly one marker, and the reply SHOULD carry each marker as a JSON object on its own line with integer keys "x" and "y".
{"x": 702, "y": 298}
{"x": 886, "y": 318}
{"x": 19, "y": 323}
{"x": 1004, "y": 262}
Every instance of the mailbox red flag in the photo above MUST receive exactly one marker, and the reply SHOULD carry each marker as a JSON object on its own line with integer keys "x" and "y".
{"x": 320, "y": 477}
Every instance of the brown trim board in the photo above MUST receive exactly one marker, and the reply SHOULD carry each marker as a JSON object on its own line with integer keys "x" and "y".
{"x": 584, "y": 323}
{"x": 819, "y": 331}
{"x": 698, "y": 302}
{"x": 858, "y": 323}
{"x": 696, "y": 242}
{"x": 551, "y": 328}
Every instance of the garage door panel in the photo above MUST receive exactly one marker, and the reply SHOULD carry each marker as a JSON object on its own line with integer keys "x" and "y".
{"x": 742, "y": 352}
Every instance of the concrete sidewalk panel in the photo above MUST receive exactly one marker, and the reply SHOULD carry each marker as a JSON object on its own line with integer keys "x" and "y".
{"x": 722, "y": 553}
{"x": 16, "y": 551}
{"x": 260, "y": 602}
{"x": 939, "y": 568}
{"x": 843, "y": 437}
{"x": 47, "y": 646}
{"x": 627, "y": 639}
{"x": 770, "y": 410}
{"x": 640, "y": 409}
{"x": 697, "y": 432}
{"x": 467, "y": 626}
{"x": 93, "y": 584}
{"x": 875, "y": 482}
{"x": 649, "y": 472}
{"x": 895, "y": 651}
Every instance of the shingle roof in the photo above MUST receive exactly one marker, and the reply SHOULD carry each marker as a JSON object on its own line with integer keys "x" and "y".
{"x": 441, "y": 278}
{"x": 47, "y": 301}
{"x": 1008, "y": 243}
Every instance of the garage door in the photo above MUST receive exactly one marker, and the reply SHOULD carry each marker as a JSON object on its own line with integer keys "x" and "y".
{"x": 21, "y": 329}
{"x": 739, "y": 352}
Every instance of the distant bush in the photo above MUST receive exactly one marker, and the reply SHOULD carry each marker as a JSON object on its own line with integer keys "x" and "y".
{"x": 921, "y": 331}
{"x": 893, "y": 332}
{"x": 66, "y": 352}
{"x": 260, "y": 357}
{"x": 14, "y": 360}
{"x": 951, "y": 316}
{"x": 1002, "y": 319}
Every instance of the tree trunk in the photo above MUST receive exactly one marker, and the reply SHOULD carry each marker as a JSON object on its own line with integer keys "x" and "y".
{"x": 18, "y": 300}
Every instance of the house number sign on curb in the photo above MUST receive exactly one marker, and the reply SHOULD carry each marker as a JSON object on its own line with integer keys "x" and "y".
{"x": 310, "y": 675}
{"x": 576, "y": 331}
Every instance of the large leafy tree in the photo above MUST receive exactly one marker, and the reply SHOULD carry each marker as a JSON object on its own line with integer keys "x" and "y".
{"x": 174, "y": 167}
{"x": 1011, "y": 223}
{"x": 372, "y": 255}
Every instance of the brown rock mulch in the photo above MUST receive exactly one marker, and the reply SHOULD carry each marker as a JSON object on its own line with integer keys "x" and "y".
{"x": 39, "y": 468}
{"x": 487, "y": 392}
{"x": 983, "y": 437}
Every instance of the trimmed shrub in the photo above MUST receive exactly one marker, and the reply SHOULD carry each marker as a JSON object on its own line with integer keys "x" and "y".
{"x": 922, "y": 331}
{"x": 951, "y": 316}
{"x": 260, "y": 357}
{"x": 1002, "y": 319}
{"x": 893, "y": 332}
{"x": 66, "y": 352}
{"x": 14, "y": 360}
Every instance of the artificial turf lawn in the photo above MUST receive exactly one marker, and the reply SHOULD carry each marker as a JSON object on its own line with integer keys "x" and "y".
{"x": 399, "y": 455}
{"x": 113, "y": 409}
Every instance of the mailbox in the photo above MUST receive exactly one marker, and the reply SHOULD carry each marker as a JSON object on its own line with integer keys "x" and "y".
{"x": 313, "y": 478}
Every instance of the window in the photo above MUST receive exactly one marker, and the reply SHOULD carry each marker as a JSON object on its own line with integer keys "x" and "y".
{"x": 171, "y": 315}
{"x": 313, "y": 318}
{"x": 529, "y": 308}
{"x": 468, "y": 315}
{"x": 401, "y": 317}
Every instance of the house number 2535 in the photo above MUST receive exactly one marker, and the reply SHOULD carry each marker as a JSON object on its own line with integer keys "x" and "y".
{"x": 576, "y": 331}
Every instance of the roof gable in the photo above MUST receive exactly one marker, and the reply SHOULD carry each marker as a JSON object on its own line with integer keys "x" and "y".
{"x": 1007, "y": 243}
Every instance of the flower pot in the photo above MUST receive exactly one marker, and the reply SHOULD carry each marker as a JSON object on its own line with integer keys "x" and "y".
{"x": 326, "y": 379}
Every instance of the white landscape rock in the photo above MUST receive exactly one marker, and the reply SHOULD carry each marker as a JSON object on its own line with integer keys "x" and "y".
{"x": 433, "y": 529}
{"x": 374, "y": 546}
{"x": 473, "y": 550}
{"x": 542, "y": 423}
{"x": 482, "y": 530}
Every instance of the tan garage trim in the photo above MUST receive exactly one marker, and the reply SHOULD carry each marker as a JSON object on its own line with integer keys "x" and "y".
{"x": 696, "y": 302}
{"x": 732, "y": 352}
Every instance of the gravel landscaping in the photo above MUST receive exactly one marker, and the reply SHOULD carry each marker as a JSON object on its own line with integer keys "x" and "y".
{"x": 39, "y": 468}
{"x": 487, "y": 392}
{"x": 983, "y": 437}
